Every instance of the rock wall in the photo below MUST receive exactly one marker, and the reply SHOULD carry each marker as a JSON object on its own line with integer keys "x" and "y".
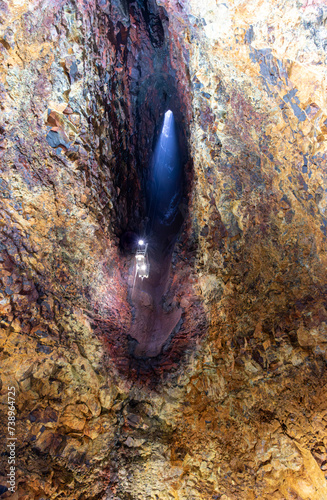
{"x": 255, "y": 412}
{"x": 235, "y": 409}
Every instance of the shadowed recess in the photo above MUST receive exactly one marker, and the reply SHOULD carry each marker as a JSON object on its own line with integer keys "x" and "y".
{"x": 165, "y": 188}
{"x": 153, "y": 325}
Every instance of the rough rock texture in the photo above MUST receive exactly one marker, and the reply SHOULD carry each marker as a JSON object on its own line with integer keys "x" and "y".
{"x": 258, "y": 74}
{"x": 235, "y": 408}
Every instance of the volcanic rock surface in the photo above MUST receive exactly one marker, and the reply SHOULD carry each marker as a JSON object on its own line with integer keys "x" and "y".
{"x": 234, "y": 406}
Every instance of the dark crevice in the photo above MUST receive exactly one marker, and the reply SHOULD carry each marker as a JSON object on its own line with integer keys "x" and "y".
{"x": 154, "y": 325}
{"x": 152, "y": 19}
{"x": 135, "y": 98}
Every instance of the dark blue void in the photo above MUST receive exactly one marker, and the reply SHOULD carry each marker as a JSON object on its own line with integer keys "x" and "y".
{"x": 165, "y": 189}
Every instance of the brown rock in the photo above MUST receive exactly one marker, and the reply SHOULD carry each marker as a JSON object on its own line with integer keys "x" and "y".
{"x": 74, "y": 417}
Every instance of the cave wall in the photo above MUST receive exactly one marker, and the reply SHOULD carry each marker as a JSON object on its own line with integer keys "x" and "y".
{"x": 258, "y": 79}
{"x": 239, "y": 412}
{"x": 73, "y": 157}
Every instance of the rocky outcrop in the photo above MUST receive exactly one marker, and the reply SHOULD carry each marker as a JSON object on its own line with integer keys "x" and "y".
{"x": 234, "y": 406}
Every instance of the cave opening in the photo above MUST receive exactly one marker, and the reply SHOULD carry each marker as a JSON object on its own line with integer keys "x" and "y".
{"x": 153, "y": 180}
{"x": 163, "y": 183}
{"x": 164, "y": 189}
{"x": 153, "y": 325}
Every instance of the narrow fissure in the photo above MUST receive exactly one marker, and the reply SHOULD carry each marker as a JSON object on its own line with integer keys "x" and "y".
{"x": 154, "y": 189}
{"x": 152, "y": 325}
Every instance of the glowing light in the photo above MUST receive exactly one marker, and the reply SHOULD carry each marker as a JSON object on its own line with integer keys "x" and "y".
{"x": 167, "y": 123}
{"x": 143, "y": 267}
{"x": 141, "y": 242}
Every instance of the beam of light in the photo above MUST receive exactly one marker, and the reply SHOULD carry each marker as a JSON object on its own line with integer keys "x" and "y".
{"x": 166, "y": 175}
{"x": 166, "y": 130}
{"x": 166, "y": 153}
